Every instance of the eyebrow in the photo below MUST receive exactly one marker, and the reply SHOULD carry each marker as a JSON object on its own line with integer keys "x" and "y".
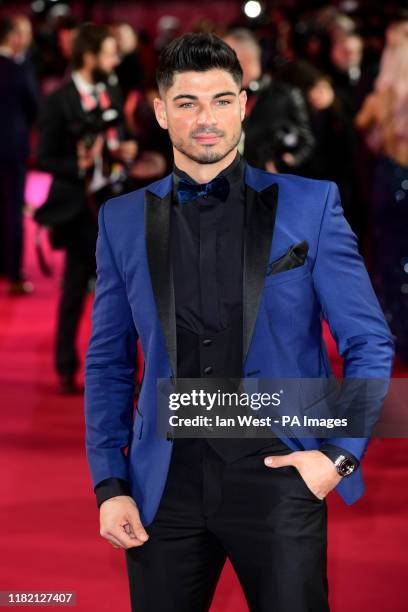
{"x": 218, "y": 95}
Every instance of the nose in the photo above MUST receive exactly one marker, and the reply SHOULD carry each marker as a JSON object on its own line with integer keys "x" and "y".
{"x": 206, "y": 116}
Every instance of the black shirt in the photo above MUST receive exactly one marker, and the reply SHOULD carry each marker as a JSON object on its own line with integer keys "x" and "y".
{"x": 207, "y": 258}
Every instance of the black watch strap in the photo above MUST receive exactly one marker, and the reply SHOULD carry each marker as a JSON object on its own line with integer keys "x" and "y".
{"x": 334, "y": 452}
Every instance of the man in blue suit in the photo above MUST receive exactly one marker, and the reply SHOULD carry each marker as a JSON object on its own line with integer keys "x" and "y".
{"x": 221, "y": 270}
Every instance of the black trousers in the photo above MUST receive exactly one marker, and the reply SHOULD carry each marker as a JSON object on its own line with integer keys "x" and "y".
{"x": 12, "y": 183}
{"x": 79, "y": 268}
{"x": 266, "y": 521}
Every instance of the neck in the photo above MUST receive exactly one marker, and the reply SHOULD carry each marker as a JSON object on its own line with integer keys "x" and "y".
{"x": 86, "y": 75}
{"x": 202, "y": 173}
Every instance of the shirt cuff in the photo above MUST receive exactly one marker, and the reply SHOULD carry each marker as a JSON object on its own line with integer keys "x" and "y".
{"x": 335, "y": 451}
{"x": 111, "y": 487}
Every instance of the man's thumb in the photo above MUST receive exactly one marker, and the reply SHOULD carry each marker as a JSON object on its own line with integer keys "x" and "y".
{"x": 277, "y": 461}
{"x": 136, "y": 526}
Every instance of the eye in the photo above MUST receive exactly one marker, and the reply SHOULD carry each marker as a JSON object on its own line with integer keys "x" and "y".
{"x": 186, "y": 105}
{"x": 224, "y": 102}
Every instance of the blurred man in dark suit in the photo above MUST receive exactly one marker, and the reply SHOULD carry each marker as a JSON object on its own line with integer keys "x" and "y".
{"x": 271, "y": 104}
{"x": 18, "y": 107}
{"x": 82, "y": 144}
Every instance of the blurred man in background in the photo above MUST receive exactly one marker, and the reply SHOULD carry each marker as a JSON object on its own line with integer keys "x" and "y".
{"x": 24, "y": 39}
{"x": 82, "y": 143}
{"x": 18, "y": 107}
{"x": 346, "y": 58}
{"x": 273, "y": 105}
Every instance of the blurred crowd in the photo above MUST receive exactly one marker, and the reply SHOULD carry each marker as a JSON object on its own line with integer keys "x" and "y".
{"x": 327, "y": 99}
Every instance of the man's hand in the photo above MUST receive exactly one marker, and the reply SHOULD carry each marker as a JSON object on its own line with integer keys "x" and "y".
{"x": 317, "y": 470}
{"x": 120, "y": 522}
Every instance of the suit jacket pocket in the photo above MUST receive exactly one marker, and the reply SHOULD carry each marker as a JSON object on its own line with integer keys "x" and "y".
{"x": 294, "y": 257}
{"x": 292, "y": 265}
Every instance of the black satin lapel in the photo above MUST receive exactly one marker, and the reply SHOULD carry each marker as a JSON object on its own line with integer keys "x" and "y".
{"x": 260, "y": 221}
{"x": 157, "y": 232}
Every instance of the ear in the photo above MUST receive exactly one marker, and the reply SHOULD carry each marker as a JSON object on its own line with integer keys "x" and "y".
{"x": 242, "y": 103}
{"x": 160, "y": 112}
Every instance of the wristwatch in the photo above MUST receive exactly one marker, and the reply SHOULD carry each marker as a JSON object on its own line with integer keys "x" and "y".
{"x": 344, "y": 463}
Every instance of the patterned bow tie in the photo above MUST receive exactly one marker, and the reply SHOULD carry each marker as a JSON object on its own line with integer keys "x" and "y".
{"x": 187, "y": 192}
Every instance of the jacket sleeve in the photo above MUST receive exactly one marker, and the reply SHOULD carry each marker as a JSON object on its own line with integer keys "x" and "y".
{"x": 351, "y": 309}
{"x": 110, "y": 487}
{"x": 109, "y": 368}
{"x": 298, "y": 114}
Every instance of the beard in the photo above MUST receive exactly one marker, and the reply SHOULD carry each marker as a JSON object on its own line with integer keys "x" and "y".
{"x": 207, "y": 155}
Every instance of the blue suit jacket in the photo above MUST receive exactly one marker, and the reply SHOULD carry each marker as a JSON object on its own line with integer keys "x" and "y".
{"x": 282, "y": 329}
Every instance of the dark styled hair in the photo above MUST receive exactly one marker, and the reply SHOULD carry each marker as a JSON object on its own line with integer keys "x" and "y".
{"x": 89, "y": 39}
{"x": 197, "y": 52}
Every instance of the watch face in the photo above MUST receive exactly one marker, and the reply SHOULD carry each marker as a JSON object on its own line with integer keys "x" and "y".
{"x": 345, "y": 467}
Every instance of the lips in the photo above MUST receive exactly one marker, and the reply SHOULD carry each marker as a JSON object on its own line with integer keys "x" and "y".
{"x": 207, "y": 138}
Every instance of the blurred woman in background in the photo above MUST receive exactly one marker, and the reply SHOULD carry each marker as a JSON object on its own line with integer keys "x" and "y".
{"x": 384, "y": 120}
